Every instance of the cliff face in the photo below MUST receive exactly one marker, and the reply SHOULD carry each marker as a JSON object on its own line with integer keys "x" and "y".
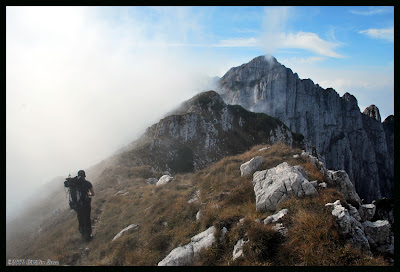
{"x": 343, "y": 136}
{"x": 204, "y": 129}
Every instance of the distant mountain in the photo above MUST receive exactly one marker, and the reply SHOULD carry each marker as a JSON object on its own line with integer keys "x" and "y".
{"x": 344, "y": 137}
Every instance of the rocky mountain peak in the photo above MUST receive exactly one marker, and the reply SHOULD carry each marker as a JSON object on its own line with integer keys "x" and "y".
{"x": 344, "y": 138}
{"x": 248, "y": 74}
{"x": 373, "y": 112}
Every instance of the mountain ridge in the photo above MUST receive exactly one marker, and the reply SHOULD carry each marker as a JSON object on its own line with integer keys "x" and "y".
{"x": 202, "y": 130}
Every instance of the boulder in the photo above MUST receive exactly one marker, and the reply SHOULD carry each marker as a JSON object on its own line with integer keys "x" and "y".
{"x": 185, "y": 255}
{"x": 179, "y": 256}
{"x": 164, "y": 180}
{"x": 340, "y": 180}
{"x": 274, "y": 185}
{"x": 378, "y": 231}
{"x": 276, "y": 217}
{"x": 248, "y": 167}
{"x": 203, "y": 240}
{"x": 367, "y": 212}
{"x": 238, "y": 249}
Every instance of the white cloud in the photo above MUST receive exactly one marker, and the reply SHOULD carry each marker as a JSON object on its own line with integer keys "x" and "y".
{"x": 275, "y": 35}
{"x": 372, "y": 11}
{"x": 311, "y": 42}
{"x": 380, "y": 33}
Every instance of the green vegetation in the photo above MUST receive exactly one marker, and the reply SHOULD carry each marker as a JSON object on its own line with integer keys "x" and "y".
{"x": 167, "y": 220}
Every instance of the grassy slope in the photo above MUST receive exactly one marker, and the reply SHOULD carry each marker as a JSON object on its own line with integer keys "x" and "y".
{"x": 166, "y": 220}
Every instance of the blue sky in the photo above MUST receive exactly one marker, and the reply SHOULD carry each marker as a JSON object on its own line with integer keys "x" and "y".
{"x": 89, "y": 80}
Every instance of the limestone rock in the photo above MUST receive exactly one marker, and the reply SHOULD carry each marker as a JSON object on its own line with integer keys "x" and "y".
{"x": 203, "y": 240}
{"x": 378, "y": 231}
{"x": 308, "y": 188}
{"x": 276, "y": 217}
{"x": 185, "y": 255}
{"x": 248, "y": 167}
{"x": 274, "y": 185}
{"x": 238, "y": 249}
{"x": 164, "y": 180}
{"x": 354, "y": 212}
{"x": 301, "y": 170}
{"x": 349, "y": 227}
{"x": 341, "y": 181}
{"x": 367, "y": 211}
{"x": 179, "y": 256}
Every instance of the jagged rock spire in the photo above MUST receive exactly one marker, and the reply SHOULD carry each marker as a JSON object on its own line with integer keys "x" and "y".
{"x": 373, "y": 112}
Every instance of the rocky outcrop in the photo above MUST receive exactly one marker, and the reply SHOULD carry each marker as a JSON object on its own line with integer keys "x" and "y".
{"x": 203, "y": 130}
{"x": 372, "y": 112}
{"x": 340, "y": 180}
{"x": 355, "y": 227}
{"x": 249, "y": 167}
{"x": 349, "y": 227}
{"x": 378, "y": 232}
{"x": 185, "y": 255}
{"x": 275, "y": 185}
{"x": 334, "y": 127}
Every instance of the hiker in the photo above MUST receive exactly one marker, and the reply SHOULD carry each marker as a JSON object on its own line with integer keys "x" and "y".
{"x": 83, "y": 211}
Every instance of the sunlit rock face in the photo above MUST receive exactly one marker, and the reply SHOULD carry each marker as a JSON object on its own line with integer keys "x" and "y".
{"x": 343, "y": 137}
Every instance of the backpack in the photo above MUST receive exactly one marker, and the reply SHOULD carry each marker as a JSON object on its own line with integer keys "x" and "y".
{"x": 77, "y": 196}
